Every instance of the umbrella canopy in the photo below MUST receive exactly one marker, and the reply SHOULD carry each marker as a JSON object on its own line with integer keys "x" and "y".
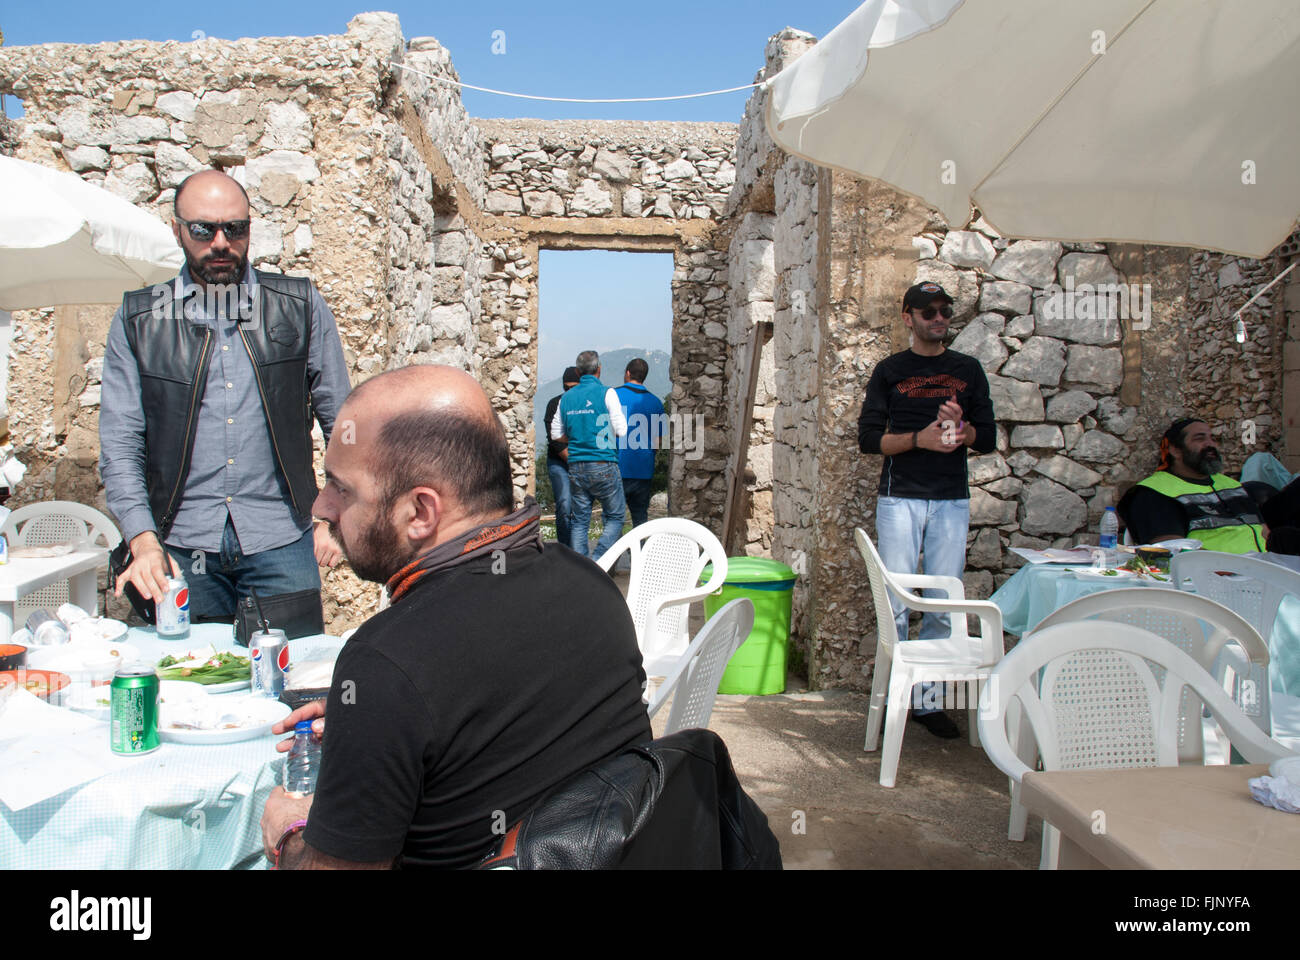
{"x": 1145, "y": 121}
{"x": 63, "y": 240}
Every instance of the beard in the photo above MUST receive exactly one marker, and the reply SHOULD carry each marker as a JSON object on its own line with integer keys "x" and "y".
{"x": 200, "y": 268}
{"x": 379, "y": 551}
{"x": 1207, "y": 461}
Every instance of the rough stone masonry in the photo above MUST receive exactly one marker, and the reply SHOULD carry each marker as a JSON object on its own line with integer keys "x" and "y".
{"x": 423, "y": 228}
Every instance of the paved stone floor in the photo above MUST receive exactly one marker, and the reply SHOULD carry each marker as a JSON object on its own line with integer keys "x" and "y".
{"x": 800, "y": 756}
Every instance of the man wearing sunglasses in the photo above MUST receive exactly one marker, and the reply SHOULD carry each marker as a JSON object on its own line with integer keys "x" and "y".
{"x": 210, "y": 384}
{"x": 924, "y": 407}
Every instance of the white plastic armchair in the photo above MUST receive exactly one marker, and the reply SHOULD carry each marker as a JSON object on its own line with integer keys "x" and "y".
{"x": 1254, "y": 592}
{"x": 1096, "y": 700}
{"x": 1195, "y": 624}
{"x": 51, "y": 522}
{"x": 668, "y": 555}
{"x": 957, "y": 658}
{"x": 693, "y": 682}
{"x": 59, "y": 521}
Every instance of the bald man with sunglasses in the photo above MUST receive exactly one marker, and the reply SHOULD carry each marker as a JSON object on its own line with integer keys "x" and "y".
{"x": 210, "y": 384}
{"x": 924, "y": 407}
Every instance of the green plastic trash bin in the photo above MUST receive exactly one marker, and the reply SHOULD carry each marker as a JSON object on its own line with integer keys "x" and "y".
{"x": 758, "y": 667}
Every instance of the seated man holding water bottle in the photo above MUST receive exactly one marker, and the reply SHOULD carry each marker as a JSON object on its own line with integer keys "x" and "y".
{"x": 502, "y": 668}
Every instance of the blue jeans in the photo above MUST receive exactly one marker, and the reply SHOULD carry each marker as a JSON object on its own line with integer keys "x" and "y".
{"x": 637, "y": 494}
{"x": 559, "y": 474}
{"x": 218, "y": 581}
{"x": 904, "y": 528}
{"x": 590, "y": 481}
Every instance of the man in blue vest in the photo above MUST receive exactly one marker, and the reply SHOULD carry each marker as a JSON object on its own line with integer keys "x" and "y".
{"x": 591, "y": 419}
{"x": 645, "y": 426}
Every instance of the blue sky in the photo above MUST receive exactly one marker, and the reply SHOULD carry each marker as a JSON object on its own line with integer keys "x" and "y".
{"x": 559, "y": 49}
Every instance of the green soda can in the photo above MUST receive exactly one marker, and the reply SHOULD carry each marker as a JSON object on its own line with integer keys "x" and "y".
{"x": 133, "y": 716}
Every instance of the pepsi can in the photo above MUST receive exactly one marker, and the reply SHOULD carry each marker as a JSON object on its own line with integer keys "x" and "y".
{"x": 269, "y": 652}
{"x": 173, "y": 610}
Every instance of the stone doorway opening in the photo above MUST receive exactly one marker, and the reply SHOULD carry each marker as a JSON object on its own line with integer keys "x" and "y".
{"x": 618, "y": 303}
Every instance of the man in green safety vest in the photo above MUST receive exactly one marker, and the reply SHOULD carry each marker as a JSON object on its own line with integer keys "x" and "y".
{"x": 1189, "y": 496}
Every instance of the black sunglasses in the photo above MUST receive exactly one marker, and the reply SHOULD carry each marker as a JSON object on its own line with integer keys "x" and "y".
{"x": 205, "y": 230}
{"x": 929, "y": 312}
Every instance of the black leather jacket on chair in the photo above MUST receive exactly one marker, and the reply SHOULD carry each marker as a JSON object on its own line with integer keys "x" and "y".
{"x": 671, "y": 803}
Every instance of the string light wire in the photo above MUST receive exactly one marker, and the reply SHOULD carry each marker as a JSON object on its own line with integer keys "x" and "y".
{"x": 762, "y": 85}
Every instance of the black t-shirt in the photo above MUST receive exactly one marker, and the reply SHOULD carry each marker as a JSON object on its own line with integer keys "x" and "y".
{"x": 475, "y": 693}
{"x": 553, "y": 447}
{"x": 904, "y": 394}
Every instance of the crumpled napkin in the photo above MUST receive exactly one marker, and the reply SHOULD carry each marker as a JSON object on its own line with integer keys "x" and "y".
{"x": 1276, "y": 792}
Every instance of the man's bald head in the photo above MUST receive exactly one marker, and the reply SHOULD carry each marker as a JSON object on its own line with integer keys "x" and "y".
{"x": 433, "y": 426}
{"x": 211, "y": 184}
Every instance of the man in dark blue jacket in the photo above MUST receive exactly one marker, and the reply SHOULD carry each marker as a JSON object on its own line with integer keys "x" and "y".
{"x": 645, "y": 426}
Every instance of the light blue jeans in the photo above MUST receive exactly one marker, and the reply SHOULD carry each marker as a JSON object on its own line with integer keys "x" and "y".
{"x": 595, "y": 481}
{"x": 905, "y": 528}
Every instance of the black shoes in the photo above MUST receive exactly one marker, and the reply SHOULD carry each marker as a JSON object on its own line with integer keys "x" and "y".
{"x": 939, "y": 724}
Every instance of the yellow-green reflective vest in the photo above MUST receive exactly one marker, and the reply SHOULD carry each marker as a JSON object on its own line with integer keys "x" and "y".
{"x": 1227, "y": 521}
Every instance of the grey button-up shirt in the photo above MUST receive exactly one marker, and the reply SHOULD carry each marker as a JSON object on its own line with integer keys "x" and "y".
{"x": 233, "y": 470}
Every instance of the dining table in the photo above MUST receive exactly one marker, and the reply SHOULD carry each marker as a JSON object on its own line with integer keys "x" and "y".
{"x": 1039, "y": 589}
{"x": 68, "y": 802}
{"x": 1188, "y": 817}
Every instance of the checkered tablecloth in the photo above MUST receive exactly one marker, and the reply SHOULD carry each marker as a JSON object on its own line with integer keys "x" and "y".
{"x": 180, "y": 807}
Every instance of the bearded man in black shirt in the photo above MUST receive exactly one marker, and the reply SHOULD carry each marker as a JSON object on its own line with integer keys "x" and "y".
{"x": 924, "y": 407}
{"x": 502, "y": 668}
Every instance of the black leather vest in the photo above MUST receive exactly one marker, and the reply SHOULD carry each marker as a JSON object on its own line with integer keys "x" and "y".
{"x": 173, "y": 355}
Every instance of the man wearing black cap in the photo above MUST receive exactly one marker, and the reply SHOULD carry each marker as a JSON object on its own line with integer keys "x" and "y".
{"x": 557, "y": 460}
{"x": 1190, "y": 497}
{"x": 924, "y": 407}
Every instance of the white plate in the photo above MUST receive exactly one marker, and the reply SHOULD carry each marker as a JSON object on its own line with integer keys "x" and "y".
{"x": 265, "y": 713}
{"x": 1088, "y": 573}
{"x": 86, "y": 700}
{"x": 232, "y": 687}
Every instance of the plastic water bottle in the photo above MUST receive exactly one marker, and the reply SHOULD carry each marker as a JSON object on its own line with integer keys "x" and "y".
{"x": 1108, "y": 540}
{"x": 303, "y": 765}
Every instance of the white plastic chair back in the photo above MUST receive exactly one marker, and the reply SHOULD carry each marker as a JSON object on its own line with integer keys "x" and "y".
{"x": 48, "y": 523}
{"x": 1254, "y": 594}
{"x": 1100, "y": 703}
{"x": 668, "y": 555}
{"x": 1198, "y": 626}
{"x": 694, "y": 682}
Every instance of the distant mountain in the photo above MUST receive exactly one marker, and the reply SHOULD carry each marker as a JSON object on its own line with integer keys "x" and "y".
{"x": 612, "y": 364}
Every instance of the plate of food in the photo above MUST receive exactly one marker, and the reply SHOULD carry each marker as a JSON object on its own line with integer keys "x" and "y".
{"x": 189, "y": 714}
{"x": 217, "y": 672}
{"x": 94, "y": 702}
{"x": 1106, "y": 574}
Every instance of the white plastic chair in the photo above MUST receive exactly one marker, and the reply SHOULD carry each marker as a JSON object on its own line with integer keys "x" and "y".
{"x": 1182, "y": 619}
{"x": 1255, "y": 592}
{"x": 51, "y": 522}
{"x": 957, "y": 658}
{"x": 668, "y": 555}
{"x": 1095, "y": 701}
{"x": 697, "y": 674}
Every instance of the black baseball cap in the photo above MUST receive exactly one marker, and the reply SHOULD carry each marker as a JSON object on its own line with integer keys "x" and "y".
{"x": 921, "y": 295}
{"x": 571, "y": 375}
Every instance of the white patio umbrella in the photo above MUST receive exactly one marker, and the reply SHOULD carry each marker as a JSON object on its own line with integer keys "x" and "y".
{"x": 1149, "y": 121}
{"x": 63, "y": 240}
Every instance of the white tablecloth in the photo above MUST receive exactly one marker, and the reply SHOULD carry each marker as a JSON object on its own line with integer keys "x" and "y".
{"x": 180, "y": 807}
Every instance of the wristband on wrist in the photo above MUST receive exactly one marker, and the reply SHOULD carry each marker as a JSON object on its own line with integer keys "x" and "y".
{"x": 915, "y": 445}
{"x": 295, "y": 827}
